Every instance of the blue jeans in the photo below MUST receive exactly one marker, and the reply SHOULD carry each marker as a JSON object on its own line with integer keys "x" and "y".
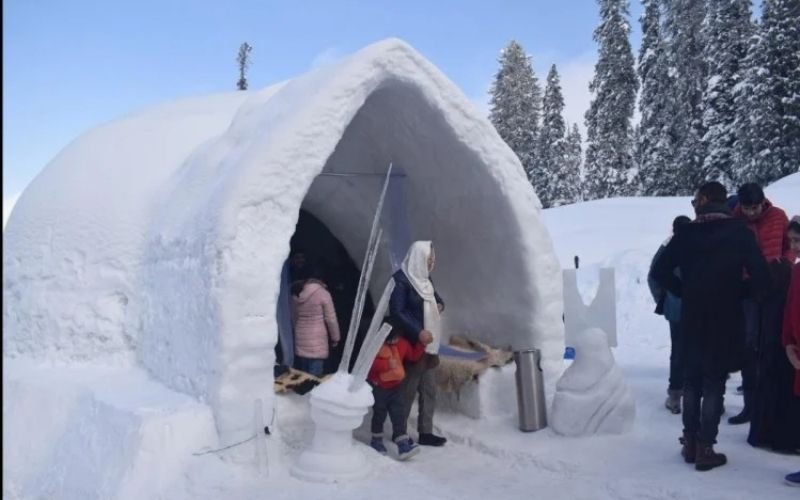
{"x": 389, "y": 402}
{"x": 676, "y": 364}
{"x": 313, "y": 366}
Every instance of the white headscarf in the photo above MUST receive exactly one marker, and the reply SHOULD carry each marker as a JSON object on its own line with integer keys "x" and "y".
{"x": 415, "y": 267}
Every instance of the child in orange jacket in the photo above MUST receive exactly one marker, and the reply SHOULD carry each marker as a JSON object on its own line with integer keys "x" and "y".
{"x": 385, "y": 376}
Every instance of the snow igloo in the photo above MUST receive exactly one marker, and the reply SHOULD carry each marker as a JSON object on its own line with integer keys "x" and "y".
{"x": 157, "y": 241}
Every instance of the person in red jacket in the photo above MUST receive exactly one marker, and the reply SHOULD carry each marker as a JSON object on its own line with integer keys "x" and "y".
{"x": 385, "y": 376}
{"x": 762, "y": 320}
{"x": 791, "y": 323}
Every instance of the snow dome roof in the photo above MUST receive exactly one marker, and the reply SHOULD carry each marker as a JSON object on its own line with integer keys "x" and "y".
{"x": 158, "y": 239}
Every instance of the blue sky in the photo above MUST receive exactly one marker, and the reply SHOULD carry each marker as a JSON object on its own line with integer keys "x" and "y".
{"x": 71, "y": 65}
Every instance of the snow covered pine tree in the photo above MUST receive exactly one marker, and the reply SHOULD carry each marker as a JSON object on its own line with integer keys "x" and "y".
{"x": 655, "y": 145}
{"x": 683, "y": 22}
{"x": 768, "y": 119}
{"x": 728, "y": 29}
{"x": 516, "y": 104}
{"x": 550, "y": 165}
{"x": 609, "y": 162}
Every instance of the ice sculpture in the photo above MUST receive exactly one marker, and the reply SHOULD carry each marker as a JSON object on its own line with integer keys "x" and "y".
{"x": 601, "y": 312}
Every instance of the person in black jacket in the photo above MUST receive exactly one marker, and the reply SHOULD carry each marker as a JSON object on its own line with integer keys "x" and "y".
{"x": 414, "y": 309}
{"x": 711, "y": 253}
{"x": 669, "y": 306}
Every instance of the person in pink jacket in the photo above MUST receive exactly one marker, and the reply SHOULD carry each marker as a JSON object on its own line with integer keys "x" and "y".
{"x": 313, "y": 320}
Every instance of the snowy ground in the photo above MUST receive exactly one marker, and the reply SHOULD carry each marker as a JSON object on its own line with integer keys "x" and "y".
{"x": 492, "y": 458}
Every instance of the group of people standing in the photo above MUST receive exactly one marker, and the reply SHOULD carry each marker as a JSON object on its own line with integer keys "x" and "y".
{"x": 404, "y": 366}
{"x": 722, "y": 282}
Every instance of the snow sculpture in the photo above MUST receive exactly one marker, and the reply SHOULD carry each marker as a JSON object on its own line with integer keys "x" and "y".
{"x": 336, "y": 411}
{"x": 592, "y": 397}
{"x": 601, "y": 313}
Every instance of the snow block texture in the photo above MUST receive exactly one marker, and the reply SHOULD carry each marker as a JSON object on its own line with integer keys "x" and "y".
{"x": 158, "y": 240}
{"x": 96, "y": 434}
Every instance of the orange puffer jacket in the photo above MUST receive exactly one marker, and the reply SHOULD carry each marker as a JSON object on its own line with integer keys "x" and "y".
{"x": 770, "y": 230}
{"x": 387, "y": 370}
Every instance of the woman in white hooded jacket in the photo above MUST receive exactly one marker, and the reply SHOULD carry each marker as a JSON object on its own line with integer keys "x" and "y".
{"x": 414, "y": 310}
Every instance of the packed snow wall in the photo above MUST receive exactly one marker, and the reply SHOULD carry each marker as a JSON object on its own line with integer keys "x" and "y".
{"x": 189, "y": 237}
{"x": 74, "y": 242}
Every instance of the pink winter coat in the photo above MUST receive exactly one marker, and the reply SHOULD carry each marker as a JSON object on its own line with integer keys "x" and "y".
{"x": 313, "y": 318}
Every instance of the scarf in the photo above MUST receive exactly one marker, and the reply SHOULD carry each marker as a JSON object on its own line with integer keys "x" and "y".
{"x": 415, "y": 267}
{"x": 712, "y": 212}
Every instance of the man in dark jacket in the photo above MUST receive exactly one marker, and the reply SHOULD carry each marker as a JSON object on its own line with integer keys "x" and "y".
{"x": 669, "y": 306}
{"x": 710, "y": 253}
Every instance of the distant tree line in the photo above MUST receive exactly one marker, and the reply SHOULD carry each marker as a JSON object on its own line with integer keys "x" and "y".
{"x": 718, "y": 96}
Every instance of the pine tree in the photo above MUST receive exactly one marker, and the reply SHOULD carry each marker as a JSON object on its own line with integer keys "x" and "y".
{"x": 774, "y": 80}
{"x": 244, "y": 62}
{"x": 745, "y": 105}
{"x": 515, "y": 105}
{"x": 655, "y": 144}
{"x": 572, "y": 166}
{"x": 683, "y": 35}
{"x": 609, "y": 163}
{"x": 728, "y": 29}
{"x": 551, "y": 151}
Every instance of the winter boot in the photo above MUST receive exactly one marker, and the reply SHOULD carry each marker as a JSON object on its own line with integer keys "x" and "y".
{"x": 377, "y": 444}
{"x": 689, "y": 450}
{"x": 706, "y": 458}
{"x": 673, "y": 402}
{"x": 746, "y": 414}
{"x": 406, "y": 447}
{"x": 793, "y": 479}
{"x": 431, "y": 440}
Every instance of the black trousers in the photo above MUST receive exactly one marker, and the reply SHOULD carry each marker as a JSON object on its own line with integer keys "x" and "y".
{"x": 703, "y": 397}
{"x": 391, "y": 402}
{"x": 752, "y": 327}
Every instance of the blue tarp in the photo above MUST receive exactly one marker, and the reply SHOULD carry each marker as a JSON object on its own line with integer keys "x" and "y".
{"x": 449, "y": 352}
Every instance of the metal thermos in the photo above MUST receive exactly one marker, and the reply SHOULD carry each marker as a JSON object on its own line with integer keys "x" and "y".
{"x": 530, "y": 390}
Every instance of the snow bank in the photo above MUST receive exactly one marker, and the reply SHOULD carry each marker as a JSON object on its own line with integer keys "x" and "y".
{"x": 95, "y": 433}
{"x": 158, "y": 240}
{"x": 628, "y": 225}
{"x": 491, "y": 396}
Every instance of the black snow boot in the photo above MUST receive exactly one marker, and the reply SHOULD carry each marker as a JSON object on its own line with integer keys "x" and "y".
{"x": 689, "y": 450}
{"x": 706, "y": 458}
{"x": 746, "y": 414}
{"x": 431, "y": 440}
